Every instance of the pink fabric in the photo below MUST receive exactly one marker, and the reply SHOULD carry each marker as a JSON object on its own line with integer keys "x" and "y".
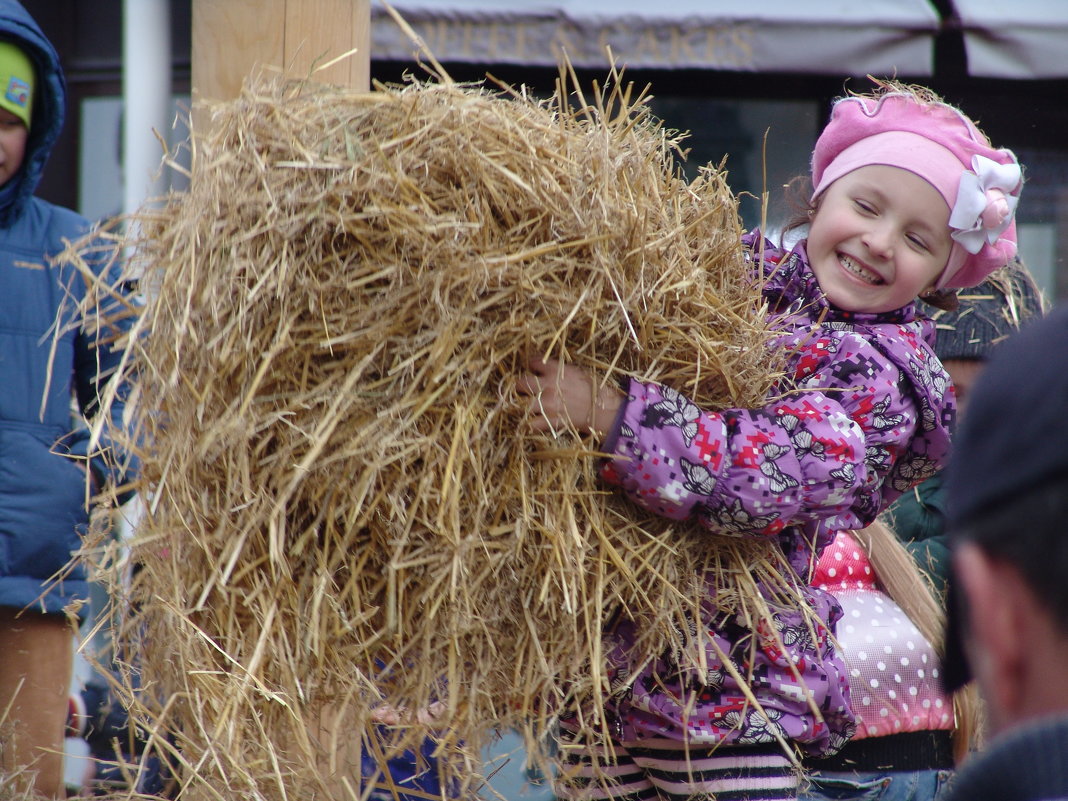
{"x": 855, "y": 127}
{"x": 894, "y": 682}
{"x": 931, "y": 161}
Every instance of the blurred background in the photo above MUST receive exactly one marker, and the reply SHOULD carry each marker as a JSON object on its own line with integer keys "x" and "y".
{"x": 751, "y": 80}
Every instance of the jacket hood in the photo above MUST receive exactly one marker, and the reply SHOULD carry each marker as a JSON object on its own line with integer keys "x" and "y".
{"x": 17, "y": 26}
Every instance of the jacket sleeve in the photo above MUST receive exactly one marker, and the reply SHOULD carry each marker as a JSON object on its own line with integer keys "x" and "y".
{"x": 812, "y": 455}
{"x": 98, "y": 382}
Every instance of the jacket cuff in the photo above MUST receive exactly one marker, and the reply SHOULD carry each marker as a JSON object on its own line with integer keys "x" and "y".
{"x": 612, "y": 437}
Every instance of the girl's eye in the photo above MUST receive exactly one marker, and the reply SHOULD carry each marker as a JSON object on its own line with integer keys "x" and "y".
{"x": 865, "y": 206}
{"x": 918, "y": 242}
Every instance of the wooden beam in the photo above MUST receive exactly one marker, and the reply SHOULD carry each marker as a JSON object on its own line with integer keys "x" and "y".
{"x": 318, "y": 32}
{"x": 234, "y": 38}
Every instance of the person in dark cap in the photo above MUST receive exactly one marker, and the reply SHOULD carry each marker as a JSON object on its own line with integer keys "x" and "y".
{"x": 965, "y": 338}
{"x": 1007, "y": 493}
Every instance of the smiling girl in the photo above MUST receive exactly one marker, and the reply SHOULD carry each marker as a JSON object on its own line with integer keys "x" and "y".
{"x": 909, "y": 200}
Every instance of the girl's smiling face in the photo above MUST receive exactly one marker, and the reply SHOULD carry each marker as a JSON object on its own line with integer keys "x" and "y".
{"x": 879, "y": 237}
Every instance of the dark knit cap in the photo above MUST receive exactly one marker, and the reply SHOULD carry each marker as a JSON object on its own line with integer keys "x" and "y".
{"x": 987, "y": 314}
{"x": 1013, "y": 438}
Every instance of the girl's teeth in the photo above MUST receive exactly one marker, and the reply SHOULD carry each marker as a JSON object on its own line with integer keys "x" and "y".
{"x": 859, "y": 271}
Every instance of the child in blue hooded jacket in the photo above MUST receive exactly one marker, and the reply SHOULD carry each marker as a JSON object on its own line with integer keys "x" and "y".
{"x": 44, "y": 452}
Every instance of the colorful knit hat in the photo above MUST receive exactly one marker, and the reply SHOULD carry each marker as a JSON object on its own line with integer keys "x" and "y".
{"x": 986, "y": 315}
{"x": 980, "y": 184}
{"x": 16, "y": 82}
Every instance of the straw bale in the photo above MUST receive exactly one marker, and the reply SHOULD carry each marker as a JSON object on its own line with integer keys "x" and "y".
{"x": 344, "y": 502}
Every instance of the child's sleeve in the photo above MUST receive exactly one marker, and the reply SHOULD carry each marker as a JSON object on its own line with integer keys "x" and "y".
{"x": 815, "y": 454}
{"x": 97, "y": 361}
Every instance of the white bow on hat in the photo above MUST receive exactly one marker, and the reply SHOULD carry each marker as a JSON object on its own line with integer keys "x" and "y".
{"x": 986, "y": 203}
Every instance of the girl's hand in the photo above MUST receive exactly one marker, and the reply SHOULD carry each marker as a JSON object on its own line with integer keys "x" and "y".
{"x": 387, "y": 715}
{"x": 562, "y": 395}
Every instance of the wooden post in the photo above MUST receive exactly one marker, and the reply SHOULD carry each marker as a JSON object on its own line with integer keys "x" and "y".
{"x": 233, "y": 38}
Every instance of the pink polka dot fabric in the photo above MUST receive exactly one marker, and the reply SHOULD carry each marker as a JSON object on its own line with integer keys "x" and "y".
{"x": 893, "y": 670}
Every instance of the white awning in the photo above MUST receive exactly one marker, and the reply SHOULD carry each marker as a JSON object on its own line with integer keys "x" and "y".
{"x": 1017, "y": 39}
{"x": 837, "y": 37}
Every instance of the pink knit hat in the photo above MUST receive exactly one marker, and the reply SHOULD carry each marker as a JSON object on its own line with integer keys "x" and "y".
{"x": 980, "y": 184}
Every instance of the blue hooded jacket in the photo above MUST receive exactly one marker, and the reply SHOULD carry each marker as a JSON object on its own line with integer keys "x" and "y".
{"x": 42, "y": 490}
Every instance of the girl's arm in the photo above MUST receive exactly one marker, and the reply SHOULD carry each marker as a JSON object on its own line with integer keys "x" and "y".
{"x": 859, "y": 428}
{"x": 96, "y": 364}
{"x": 737, "y": 471}
{"x": 836, "y": 450}
{"x": 745, "y": 471}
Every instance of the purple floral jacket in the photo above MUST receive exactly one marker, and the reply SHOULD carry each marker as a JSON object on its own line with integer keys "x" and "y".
{"x": 861, "y": 416}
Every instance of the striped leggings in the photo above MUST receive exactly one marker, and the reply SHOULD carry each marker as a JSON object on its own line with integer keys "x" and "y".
{"x": 666, "y": 770}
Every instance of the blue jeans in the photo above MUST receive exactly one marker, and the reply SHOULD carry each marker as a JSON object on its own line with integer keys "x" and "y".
{"x": 410, "y": 770}
{"x": 918, "y": 785}
{"x": 505, "y": 764}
